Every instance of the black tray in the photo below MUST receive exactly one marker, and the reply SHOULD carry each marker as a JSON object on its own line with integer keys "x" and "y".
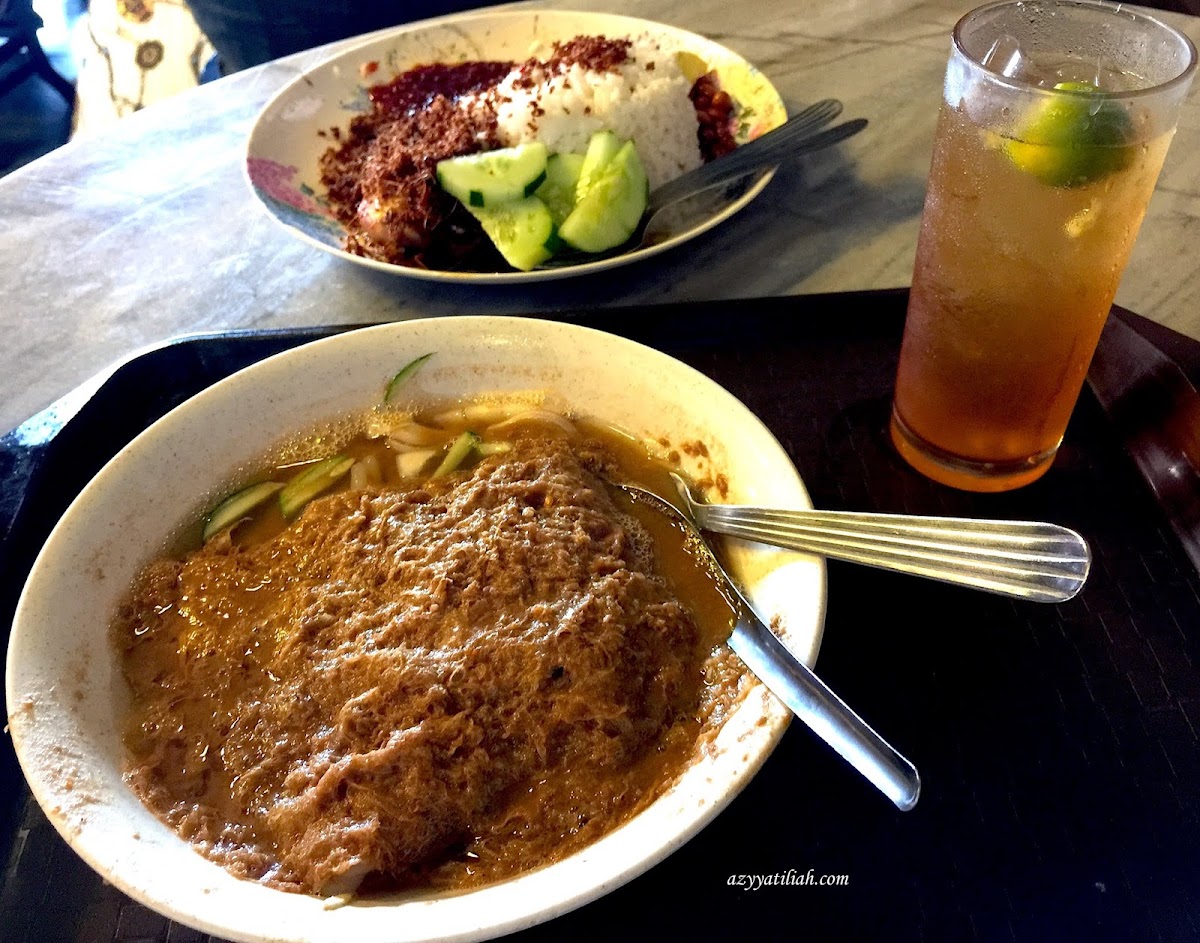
{"x": 1058, "y": 744}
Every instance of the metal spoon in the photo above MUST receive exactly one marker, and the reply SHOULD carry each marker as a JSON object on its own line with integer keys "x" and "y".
{"x": 794, "y": 683}
{"x": 798, "y": 135}
{"x": 1030, "y": 560}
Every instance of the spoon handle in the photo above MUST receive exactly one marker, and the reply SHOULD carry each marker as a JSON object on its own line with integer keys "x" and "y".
{"x": 769, "y": 149}
{"x": 1030, "y": 560}
{"x": 794, "y": 683}
{"x": 821, "y": 710}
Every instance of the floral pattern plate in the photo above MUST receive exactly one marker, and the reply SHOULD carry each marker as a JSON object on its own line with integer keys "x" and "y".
{"x": 285, "y": 147}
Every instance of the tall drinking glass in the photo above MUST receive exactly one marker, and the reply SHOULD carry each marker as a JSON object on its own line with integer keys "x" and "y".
{"x": 1054, "y": 124}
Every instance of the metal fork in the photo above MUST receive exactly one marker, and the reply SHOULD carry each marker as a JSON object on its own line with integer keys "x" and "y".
{"x": 795, "y": 136}
{"x": 1036, "y": 561}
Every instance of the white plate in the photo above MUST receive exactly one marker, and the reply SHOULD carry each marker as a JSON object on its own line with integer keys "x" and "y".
{"x": 284, "y": 148}
{"x": 66, "y": 697}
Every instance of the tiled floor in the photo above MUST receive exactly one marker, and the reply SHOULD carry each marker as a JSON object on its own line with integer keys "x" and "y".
{"x": 34, "y": 118}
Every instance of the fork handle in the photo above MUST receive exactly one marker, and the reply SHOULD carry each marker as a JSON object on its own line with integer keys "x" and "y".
{"x": 765, "y": 159}
{"x": 767, "y": 150}
{"x": 1036, "y": 561}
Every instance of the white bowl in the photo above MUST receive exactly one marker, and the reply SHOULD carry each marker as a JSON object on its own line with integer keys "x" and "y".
{"x": 284, "y": 150}
{"x": 66, "y": 696}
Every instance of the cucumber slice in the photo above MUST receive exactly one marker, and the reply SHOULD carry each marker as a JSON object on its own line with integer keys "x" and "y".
{"x": 523, "y": 231}
{"x": 603, "y": 146}
{"x": 459, "y": 450}
{"x": 608, "y": 212}
{"x": 311, "y": 482}
{"x": 492, "y": 177}
{"x": 405, "y": 372}
{"x": 237, "y": 506}
{"x": 558, "y": 189}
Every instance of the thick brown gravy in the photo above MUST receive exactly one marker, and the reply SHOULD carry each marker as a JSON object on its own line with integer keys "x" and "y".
{"x": 427, "y": 683}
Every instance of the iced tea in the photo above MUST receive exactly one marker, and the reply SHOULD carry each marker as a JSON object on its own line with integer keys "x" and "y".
{"x": 1039, "y": 181}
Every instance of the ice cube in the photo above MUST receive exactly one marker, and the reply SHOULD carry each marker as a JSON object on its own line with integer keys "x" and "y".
{"x": 1084, "y": 220}
{"x": 1004, "y": 58}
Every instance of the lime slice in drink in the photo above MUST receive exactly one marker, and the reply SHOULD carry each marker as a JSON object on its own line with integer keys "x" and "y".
{"x": 1073, "y": 140}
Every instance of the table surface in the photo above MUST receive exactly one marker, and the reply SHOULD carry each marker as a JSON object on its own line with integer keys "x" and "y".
{"x": 116, "y": 243}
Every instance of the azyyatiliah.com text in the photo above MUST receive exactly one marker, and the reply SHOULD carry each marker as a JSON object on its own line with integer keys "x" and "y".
{"x": 789, "y": 878}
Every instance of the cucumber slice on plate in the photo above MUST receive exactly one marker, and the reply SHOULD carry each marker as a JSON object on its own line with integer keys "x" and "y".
{"x": 602, "y": 147}
{"x": 493, "y": 177}
{"x": 522, "y": 230}
{"x": 609, "y": 205}
{"x": 558, "y": 189}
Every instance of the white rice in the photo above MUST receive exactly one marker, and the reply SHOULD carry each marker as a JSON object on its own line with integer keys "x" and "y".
{"x": 646, "y": 100}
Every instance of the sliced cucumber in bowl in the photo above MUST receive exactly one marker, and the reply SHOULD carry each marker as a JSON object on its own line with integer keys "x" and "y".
{"x": 310, "y": 482}
{"x": 237, "y": 506}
